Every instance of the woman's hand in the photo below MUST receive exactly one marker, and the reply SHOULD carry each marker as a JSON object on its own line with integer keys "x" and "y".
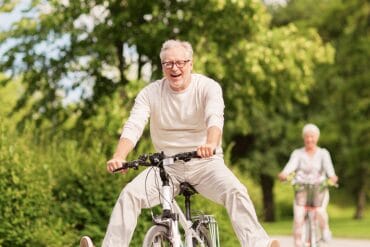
{"x": 282, "y": 176}
{"x": 333, "y": 180}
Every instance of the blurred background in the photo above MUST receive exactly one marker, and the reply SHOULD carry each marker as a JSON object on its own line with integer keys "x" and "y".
{"x": 70, "y": 70}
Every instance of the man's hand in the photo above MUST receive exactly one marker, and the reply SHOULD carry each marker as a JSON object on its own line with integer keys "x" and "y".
{"x": 123, "y": 148}
{"x": 115, "y": 163}
{"x": 206, "y": 150}
{"x": 213, "y": 139}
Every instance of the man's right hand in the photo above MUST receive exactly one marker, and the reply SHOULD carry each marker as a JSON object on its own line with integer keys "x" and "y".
{"x": 115, "y": 163}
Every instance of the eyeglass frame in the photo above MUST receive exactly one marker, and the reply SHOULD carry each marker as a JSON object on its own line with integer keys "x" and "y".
{"x": 170, "y": 64}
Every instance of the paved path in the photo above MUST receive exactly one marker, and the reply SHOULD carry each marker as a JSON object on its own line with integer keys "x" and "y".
{"x": 287, "y": 241}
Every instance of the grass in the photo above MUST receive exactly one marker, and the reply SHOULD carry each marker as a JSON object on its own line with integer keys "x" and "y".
{"x": 341, "y": 227}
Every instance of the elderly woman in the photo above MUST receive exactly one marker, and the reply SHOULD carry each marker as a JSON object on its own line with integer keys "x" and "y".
{"x": 311, "y": 164}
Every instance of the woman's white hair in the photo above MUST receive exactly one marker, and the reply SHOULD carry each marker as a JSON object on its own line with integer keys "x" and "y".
{"x": 176, "y": 43}
{"x": 311, "y": 128}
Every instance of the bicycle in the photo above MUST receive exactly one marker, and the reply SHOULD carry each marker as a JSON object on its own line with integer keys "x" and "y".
{"x": 311, "y": 196}
{"x": 201, "y": 230}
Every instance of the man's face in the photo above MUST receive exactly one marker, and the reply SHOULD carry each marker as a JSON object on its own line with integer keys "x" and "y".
{"x": 177, "y": 67}
{"x": 310, "y": 139}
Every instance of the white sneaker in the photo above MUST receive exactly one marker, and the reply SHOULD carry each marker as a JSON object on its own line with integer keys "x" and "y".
{"x": 86, "y": 242}
{"x": 326, "y": 235}
{"x": 274, "y": 243}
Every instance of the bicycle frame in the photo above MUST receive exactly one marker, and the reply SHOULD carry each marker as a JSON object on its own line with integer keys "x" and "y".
{"x": 311, "y": 198}
{"x": 311, "y": 201}
{"x": 311, "y": 217}
{"x": 172, "y": 215}
{"x": 173, "y": 226}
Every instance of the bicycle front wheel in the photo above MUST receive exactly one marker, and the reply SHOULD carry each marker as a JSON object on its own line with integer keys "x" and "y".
{"x": 205, "y": 236}
{"x": 311, "y": 232}
{"x": 157, "y": 236}
{"x": 306, "y": 233}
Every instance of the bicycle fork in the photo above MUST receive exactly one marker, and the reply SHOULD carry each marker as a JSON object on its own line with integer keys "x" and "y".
{"x": 312, "y": 229}
{"x": 170, "y": 217}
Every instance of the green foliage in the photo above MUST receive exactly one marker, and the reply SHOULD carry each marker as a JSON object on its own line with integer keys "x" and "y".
{"x": 276, "y": 67}
{"x": 274, "y": 80}
{"x": 92, "y": 49}
{"x": 263, "y": 91}
{"x": 340, "y": 101}
{"x": 70, "y": 191}
{"x": 84, "y": 191}
{"x": 26, "y": 202}
{"x": 64, "y": 192}
{"x": 55, "y": 189}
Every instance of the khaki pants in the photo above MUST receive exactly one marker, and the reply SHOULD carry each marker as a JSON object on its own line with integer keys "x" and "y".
{"x": 299, "y": 214}
{"x": 210, "y": 177}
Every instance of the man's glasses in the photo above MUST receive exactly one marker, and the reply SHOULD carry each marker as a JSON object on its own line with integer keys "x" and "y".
{"x": 179, "y": 64}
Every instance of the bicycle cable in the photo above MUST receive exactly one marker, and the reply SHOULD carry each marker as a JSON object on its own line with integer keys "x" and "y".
{"x": 146, "y": 189}
{"x": 156, "y": 175}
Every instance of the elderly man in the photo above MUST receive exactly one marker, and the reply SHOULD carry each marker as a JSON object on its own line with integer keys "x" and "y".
{"x": 186, "y": 114}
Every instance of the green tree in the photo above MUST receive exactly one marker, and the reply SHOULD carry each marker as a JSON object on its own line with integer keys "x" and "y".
{"x": 27, "y": 208}
{"x": 263, "y": 72}
{"x": 352, "y": 98}
{"x": 90, "y": 48}
{"x": 269, "y": 81}
{"x": 340, "y": 101}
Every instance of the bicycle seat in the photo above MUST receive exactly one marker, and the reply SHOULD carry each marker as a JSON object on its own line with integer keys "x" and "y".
{"x": 187, "y": 189}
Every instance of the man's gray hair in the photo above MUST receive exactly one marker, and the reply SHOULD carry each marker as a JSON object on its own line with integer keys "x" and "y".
{"x": 311, "y": 128}
{"x": 176, "y": 43}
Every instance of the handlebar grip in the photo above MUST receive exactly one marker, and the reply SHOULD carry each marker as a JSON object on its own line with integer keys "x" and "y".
{"x": 187, "y": 156}
{"x": 123, "y": 167}
{"x": 132, "y": 164}
{"x": 194, "y": 154}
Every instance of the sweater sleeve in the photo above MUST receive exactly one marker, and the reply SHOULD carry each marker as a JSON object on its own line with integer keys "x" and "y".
{"x": 292, "y": 164}
{"x": 133, "y": 128}
{"x": 327, "y": 163}
{"x": 214, "y": 106}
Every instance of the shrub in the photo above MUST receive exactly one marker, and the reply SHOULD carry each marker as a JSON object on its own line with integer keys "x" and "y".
{"x": 26, "y": 202}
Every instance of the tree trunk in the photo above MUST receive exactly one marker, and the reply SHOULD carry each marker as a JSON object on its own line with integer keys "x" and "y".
{"x": 361, "y": 202}
{"x": 267, "y": 184}
{"x": 361, "y": 194}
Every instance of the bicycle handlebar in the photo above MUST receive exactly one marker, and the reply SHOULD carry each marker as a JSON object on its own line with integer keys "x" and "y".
{"x": 325, "y": 183}
{"x": 156, "y": 159}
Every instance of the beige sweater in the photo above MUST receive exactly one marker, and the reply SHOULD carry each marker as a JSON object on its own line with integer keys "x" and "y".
{"x": 178, "y": 121}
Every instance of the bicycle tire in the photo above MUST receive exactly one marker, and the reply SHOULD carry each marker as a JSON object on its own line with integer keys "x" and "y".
{"x": 306, "y": 233}
{"x": 205, "y": 235}
{"x": 311, "y": 237}
{"x": 157, "y": 236}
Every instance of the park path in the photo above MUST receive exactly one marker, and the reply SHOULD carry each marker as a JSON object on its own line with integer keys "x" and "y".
{"x": 287, "y": 241}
